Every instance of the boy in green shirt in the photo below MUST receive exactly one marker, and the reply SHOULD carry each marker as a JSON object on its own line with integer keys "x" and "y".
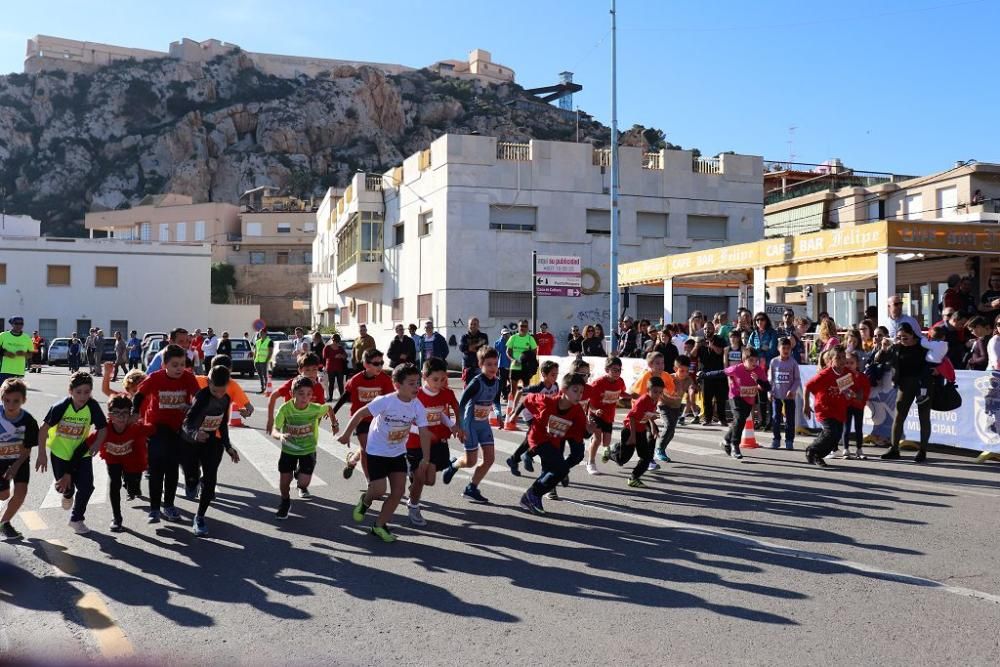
{"x": 517, "y": 345}
{"x": 296, "y": 426}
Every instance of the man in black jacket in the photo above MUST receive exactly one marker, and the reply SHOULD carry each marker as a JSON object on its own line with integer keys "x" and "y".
{"x": 469, "y": 346}
{"x": 401, "y": 349}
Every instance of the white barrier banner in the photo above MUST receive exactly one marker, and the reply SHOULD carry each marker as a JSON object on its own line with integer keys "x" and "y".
{"x": 975, "y": 425}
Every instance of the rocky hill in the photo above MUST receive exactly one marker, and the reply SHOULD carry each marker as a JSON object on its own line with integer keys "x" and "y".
{"x": 70, "y": 143}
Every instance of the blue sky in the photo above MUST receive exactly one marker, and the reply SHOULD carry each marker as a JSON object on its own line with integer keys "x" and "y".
{"x": 906, "y": 86}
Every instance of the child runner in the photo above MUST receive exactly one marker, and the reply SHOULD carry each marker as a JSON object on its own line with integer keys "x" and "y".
{"x": 124, "y": 452}
{"x": 296, "y": 426}
{"x": 641, "y": 417}
{"x": 549, "y": 386}
{"x": 856, "y": 408}
{"x": 474, "y": 407}
{"x": 605, "y": 392}
{"x": 438, "y": 401}
{"x": 785, "y": 384}
{"x": 833, "y": 387}
{"x": 170, "y": 391}
{"x": 308, "y": 364}
{"x": 744, "y": 381}
{"x": 654, "y": 368}
{"x": 239, "y": 399}
{"x": 670, "y": 405}
{"x": 558, "y": 419}
{"x": 64, "y": 432}
{"x": 734, "y": 353}
{"x": 206, "y": 435}
{"x": 691, "y": 406}
{"x": 361, "y": 390}
{"x": 18, "y": 434}
{"x": 392, "y": 417}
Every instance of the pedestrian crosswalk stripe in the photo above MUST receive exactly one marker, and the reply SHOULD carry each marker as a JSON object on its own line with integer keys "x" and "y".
{"x": 262, "y": 453}
{"x": 54, "y": 499}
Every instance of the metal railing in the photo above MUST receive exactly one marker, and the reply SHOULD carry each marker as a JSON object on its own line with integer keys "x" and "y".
{"x": 514, "y": 152}
{"x": 373, "y": 183}
{"x": 652, "y": 161}
{"x": 602, "y": 157}
{"x": 706, "y": 165}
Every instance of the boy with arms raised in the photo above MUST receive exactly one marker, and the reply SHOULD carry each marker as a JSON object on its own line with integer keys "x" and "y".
{"x": 393, "y": 416}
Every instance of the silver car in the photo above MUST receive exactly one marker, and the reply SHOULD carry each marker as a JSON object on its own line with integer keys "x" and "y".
{"x": 284, "y": 361}
{"x": 59, "y": 352}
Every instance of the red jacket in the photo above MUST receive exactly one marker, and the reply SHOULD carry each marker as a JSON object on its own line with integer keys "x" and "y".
{"x": 546, "y": 343}
{"x": 828, "y": 386}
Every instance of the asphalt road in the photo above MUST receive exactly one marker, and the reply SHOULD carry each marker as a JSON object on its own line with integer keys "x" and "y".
{"x": 765, "y": 561}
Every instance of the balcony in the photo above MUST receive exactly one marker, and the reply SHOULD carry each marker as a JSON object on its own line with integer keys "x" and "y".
{"x": 652, "y": 161}
{"x": 373, "y": 183}
{"x": 359, "y": 251}
{"x": 513, "y": 152}
{"x": 702, "y": 165}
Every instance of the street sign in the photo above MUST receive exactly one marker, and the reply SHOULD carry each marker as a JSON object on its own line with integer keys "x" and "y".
{"x": 259, "y": 325}
{"x": 300, "y": 305}
{"x": 558, "y": 275}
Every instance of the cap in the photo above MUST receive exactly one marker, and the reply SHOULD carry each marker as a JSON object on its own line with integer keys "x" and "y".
{"x": 544, "y": 324}
{"x": 17, "y": 319}
{"x": 505, "y": 330}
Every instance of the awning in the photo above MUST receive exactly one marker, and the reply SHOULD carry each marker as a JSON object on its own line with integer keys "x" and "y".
{"x": 846, "y": 269}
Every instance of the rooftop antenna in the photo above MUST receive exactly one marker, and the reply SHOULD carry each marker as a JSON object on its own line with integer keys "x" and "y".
{"x": 791, "y": 145}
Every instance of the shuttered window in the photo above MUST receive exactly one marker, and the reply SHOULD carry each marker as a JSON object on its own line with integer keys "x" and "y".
{"x": 106, "y": 276}
{"x": 513, "y": 218}
{"x": 58, "y": 275}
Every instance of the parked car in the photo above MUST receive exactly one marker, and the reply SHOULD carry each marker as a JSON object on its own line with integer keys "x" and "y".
{"x": 277, "y": 335}
{"x": 284, "y": 360}
{"x": 242, "y": 357}
{"x": 109, "y": 350}
{"x": 59, "y": 352}
{"x": 151, "y": 350}
{"x": 153, "y": 335}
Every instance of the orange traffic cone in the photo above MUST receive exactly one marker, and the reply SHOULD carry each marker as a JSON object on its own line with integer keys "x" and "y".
{"x": 494, "y": 421}
{"x": 509, "y": 424}
{"x": 749, "y": 440}
{"x": 269, "y": 390}
{"x": 235, "y": 418}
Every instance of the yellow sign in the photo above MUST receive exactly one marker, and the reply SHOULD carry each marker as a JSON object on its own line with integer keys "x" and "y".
{"x": 944, "y": 237}
{"x": 839, "y": 270}
{"x": 854, "y": 240}
{"x": 643, "y": 272}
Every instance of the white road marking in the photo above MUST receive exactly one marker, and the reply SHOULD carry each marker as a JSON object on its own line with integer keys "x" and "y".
{"x": 100, "y": 496}
{"x": 262, "y": 453}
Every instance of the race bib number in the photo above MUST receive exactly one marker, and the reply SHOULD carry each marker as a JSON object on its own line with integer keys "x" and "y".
{"x": 173, "y": 400}
{"x": 610, "y": 397}
{"x": 748, "y": 392}
{"x": 299, "y": 430}
{"x": 558, "y": 427}
{"x": 10, "y": 451}
{"x": 398, "y": 434}
{"x": 211, "y": 423}
{"x": 368, "y": 394}
{"x": 783, "y": 377}
{"x": 434, "y": 415}
{"x": 70, "y": 430}
{"x": 119, "y": 448}
{"x": 481, "y": 412}
{"x": 650, "y": 416}
{"x": 845, "y": 382}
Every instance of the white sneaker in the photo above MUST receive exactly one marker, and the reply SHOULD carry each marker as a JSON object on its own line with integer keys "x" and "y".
{"x": 592, "y": 469}
{"x": 67, "y": 503}
{"x": 653, "y": 465}
{"x": 79, "y": 527}
{"x": 416, "y": 518}
{"x": 832, "y": 455}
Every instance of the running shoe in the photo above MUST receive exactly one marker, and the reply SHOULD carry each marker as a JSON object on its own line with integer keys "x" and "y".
{"x": 528, "y": 463}
{"x": 821, "y": 462}
{"x": 10, "y": 532}
{"x": 737, "y": 454}
{"x": 304, "y": 493}
{"x": 116, "y": 525}
{"x": 191, "y": 490}
{"x": 921, "y": 456}
{"x": 636, "y": 483}
{"x": 472, "y": 493}
{"x": 348, "y": 470}
{"x": 415, "y": 516}
{"x": 282, "y": 513}
{"x": 514, "y": 466}
{"x": 171, "y": 514}
{"x": 891, "y": 454}
{"x": 130, "y": 496}
{"x": 67, "y": 500}
{"x": 606, "y": 455}
{"x": 532, "y": 503}
{"x": 653, "y": 465}
{"x": 79, "y": 527}
{"x": 810, "y": 456}
{"x": 449, "y": 472}
{"x": 861, "y": 456}
{"x": 726, "y": 448}
{"x": 592, "y": 469}
{"x": 153, "y": 517}
{"x": 789, "y": 445}
{"x": 552, "y": 495}
{"x": 384, "y": 534}
{"x": 696, "y": 420}
{"x": 359, "y": 510}
{"x": 565, "y": 481}
{"x": 198, "y": 526}
{"x": 682, "y": 421}
{"x": 662, "y": 456}
{"x": 776, "y": 444}
{"x": 984, "y": 457}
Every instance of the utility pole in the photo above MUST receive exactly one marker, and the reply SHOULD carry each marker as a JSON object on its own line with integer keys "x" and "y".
{"x": 613, "y": 282}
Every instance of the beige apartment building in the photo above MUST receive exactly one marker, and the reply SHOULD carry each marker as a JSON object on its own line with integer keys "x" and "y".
{"x": 268, "y": 242}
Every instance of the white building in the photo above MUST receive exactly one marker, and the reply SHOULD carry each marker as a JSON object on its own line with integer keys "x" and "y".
{"x": 64, "y": 285}
{"x": 450, "y": 233}
{"x": 20, "y": 225}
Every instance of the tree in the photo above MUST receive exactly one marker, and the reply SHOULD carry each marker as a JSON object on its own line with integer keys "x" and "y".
{"x": 223, "y": 280}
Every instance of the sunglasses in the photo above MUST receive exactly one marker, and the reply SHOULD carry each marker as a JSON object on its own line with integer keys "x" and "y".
{"x": 375, "y": 363}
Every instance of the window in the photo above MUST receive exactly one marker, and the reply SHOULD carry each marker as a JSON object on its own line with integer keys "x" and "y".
{"x": 284, "y": 228}
{"x": 398, "y": 231}
{"x": 947, "y": 201}
{"x": 309, "y": 226}
{"x": 836, "y": 206}
{"x": 48, "y": 329}
{"x": 913, "y": 207}
{"x": 362, "y": 313}
{"x": 707, "y": 304}
{"x": 253, "y": 229}
{"x": 649, "y": 307}
{"x": 651, "y": 225}
{"x": 145, "y": 231}
{"x": 360, "y": 240}
{"x": 425, "y": 304}
{"x": 164, "y": 233}
{"x": 598, "y": 221}
{"x": 397, "y": 310}
{"x": 58, "y": 275}
{"x": 106, "y": 276}
{"x": 345, "y": 316}
{"x": 876, "y": 210}
{"x": 513, "y": 218}
{"x": 307, "y": 257}
{"x": 199, "y": 230}
{"x": 181, "y": 233}
{"x": 515, "y": 305}
{"x": 257, "y": 257}
{"x": 3, "y": 274}
{"x": 282, "y": 257}
{"x": 82, "y": 327}
{"x": 707, "y": 227}
{"x": 424, "y": 223}
{"x": 118, "y": 325}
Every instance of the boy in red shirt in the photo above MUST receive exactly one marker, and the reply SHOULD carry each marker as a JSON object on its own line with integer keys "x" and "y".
{"x": 605, "y": 392}
{"x": 635, "y": 438}
{"x": 441, "y": 406}
{"x": 361, "y": 390}
{"x": 124, "y": 451}
{"x": 856, "y": 408}
{"x": 171, "y": 392}
{"x": 558, "y": 419}
{"x": 833, "y": 387}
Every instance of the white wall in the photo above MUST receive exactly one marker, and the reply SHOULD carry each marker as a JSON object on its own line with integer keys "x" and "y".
{"x": 160, "y": 286}
{"x": 20, "y": 225}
